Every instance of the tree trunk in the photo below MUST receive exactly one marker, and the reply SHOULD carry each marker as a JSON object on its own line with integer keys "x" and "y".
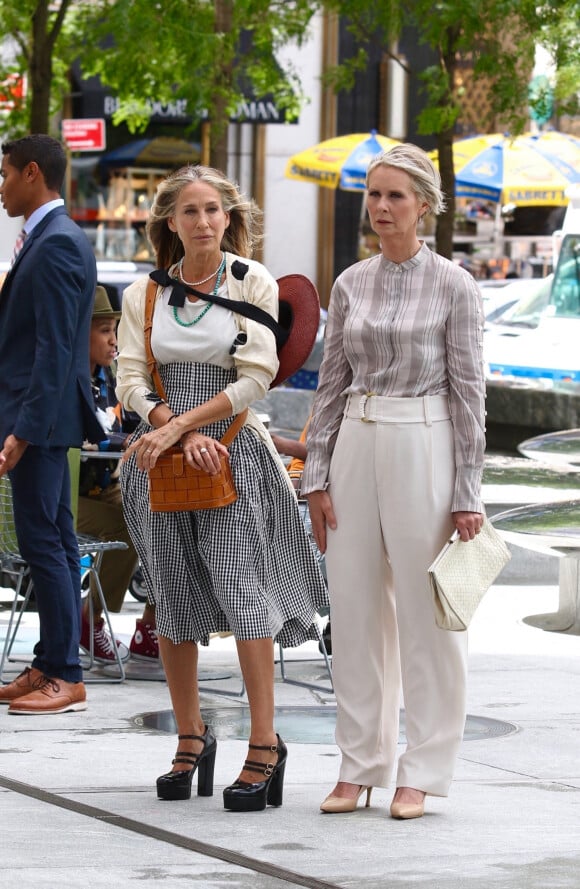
{"x": 218, "y": 111}
{"x": 47, "y": 21}
{"x": 40, "y": 70}
{"x": 445, "y": 222}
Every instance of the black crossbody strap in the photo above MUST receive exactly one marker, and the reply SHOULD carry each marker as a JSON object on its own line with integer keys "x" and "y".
{"x": 162, "y": 276}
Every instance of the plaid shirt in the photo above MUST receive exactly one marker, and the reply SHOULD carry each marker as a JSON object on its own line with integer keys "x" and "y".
{"x": 96, "y": 475}
{"x": 404, "y": 330}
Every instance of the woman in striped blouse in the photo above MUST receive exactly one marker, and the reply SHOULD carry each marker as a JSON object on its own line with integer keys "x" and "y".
{"x": 395, "y": 456}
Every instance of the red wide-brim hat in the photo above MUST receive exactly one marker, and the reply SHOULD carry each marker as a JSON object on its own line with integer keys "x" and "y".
{"x": 299, "y": 314}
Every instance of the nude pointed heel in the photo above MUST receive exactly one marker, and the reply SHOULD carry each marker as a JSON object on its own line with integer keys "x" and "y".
{"x": 336, "y": 805}
{"x": 406, "y": 811}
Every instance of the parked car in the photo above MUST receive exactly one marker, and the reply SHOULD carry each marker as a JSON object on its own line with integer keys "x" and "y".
{"x": 518, "y": 304}
{"x": 532, "y": 298}
{"x": 115, "y": 275}
{"x": 497, "y": 295}
{"x": 118, "y": 275}
{"x": 536, "y": 341}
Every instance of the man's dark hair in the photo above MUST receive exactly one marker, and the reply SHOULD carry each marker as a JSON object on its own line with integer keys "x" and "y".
{"x": 47, "y": 152}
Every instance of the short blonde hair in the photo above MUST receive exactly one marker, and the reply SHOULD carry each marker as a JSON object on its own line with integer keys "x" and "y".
{"x": 240, "y": 237}
{"x": 425, "y": 178}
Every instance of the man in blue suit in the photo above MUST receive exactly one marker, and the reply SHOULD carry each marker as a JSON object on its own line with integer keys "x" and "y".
{"x": 46, "y": 406}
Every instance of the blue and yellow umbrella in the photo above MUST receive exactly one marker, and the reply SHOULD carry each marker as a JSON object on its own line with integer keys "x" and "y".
{"x": 340, "y": 162}
{"x": 528, "y": 170}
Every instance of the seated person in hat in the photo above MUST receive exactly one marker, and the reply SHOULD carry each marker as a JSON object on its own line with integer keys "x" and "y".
{"x": 100, "y": 508}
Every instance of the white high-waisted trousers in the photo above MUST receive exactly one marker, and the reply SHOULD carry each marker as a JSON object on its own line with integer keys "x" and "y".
{"x": 391, "y": 483}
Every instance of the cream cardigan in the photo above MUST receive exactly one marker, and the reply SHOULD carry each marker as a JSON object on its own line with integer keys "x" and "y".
{"x": 256, "y": 362}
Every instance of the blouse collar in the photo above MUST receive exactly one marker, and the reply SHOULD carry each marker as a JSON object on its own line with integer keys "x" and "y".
{"x": 418, "y": 259}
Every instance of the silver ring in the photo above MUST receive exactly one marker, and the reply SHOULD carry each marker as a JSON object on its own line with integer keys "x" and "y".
{"x": 203, "y": 450}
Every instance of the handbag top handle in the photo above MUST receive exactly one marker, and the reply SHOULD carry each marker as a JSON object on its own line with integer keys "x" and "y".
{"x": 150, "y": 297}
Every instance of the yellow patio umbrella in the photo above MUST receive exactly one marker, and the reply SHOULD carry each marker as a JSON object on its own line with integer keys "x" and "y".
{"x": 534, "y": 169}
{"x": 340, "y": 162}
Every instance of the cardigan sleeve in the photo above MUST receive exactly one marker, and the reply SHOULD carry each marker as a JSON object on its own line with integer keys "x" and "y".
{"x": 256, "y": 360}
{"x": 134, "y": 382}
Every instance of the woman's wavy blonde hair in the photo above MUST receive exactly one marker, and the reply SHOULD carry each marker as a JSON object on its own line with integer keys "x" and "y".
{"x": 246, "y": 218}
{"x": 425, "y": 178}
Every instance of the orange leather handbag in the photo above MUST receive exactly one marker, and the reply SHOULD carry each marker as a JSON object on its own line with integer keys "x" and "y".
{"x": 174, "y": 485}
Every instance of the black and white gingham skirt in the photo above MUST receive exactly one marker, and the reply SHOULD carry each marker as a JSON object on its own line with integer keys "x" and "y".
{"x": 248, "y": 567}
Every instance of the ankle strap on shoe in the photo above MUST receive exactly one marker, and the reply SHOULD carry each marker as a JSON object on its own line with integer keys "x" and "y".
{"x": 191, "y": 737}
{"x": 273, "y": 748}
{"x": 263, "y": 768}
{"x": 189, "y": 759}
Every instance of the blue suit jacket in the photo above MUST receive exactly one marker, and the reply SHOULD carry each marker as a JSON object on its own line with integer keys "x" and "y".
{"x": 45, "y": 314}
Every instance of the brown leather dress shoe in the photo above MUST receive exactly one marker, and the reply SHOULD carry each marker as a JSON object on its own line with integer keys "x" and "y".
{"x": 51, "y": 696}
{"x": 22, "y": 685}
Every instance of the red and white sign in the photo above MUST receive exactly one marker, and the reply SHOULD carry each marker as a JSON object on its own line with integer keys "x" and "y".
{"x": 12, "y": 92}
{"x": 84, "y": 134}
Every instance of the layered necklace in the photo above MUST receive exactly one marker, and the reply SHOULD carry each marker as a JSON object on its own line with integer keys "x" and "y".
{"x": 219, "y": 275}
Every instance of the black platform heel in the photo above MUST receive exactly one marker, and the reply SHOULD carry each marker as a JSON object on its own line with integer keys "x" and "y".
{"x": 177, "y": 785}
{"x": 242, "y": 796}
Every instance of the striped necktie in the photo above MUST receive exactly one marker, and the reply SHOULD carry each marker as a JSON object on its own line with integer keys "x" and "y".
{"x": 18, "y": 246}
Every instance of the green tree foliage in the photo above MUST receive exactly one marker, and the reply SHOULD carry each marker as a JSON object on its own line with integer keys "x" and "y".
{"x": 560, "y": 35}
{"x": 496, "y": 37}
{"x": 192, "y": 49}
{"x": 38, "y": 42}
{"x": 164, "y": 51}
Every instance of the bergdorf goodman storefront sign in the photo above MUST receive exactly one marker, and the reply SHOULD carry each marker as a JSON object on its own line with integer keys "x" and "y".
{"x": 249, "y": 111}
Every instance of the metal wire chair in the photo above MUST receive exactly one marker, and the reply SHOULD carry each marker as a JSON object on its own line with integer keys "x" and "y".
{"x": 91, "y": 550}
{"x": 282, "y": 660}
{"x": 305, "y": 516}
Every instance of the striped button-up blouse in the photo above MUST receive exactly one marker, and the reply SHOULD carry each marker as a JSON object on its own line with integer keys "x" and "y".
{"x": 404, "y": 330}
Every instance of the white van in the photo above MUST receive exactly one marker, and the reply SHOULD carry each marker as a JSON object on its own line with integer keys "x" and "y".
{"x": 547, "y": 352}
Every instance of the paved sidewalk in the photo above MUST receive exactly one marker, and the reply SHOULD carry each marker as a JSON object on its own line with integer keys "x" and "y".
{"x": 78, "y": 806}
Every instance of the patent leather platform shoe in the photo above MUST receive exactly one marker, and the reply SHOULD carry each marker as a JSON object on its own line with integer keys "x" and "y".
{"x": 177, "y": 785}
{"x": 243, "y": 796}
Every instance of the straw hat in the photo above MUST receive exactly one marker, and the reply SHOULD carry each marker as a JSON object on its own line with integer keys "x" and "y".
{"x": 102, "y": 307}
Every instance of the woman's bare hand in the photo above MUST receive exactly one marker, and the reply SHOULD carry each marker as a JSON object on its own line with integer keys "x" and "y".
{"x": 321, "y": 515}
{"x": 467, "y": 523}
{"x": 203, "y": 452}
{"x": 150, "y": 446}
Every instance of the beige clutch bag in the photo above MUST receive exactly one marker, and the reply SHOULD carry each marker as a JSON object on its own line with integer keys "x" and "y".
{"x": 463, "y": 572}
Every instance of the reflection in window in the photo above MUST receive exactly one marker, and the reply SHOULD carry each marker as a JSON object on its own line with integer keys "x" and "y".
{"x": 566, "y": 289}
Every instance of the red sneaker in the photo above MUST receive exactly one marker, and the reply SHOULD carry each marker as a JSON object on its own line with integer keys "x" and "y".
{"x": 144, "y": 645}
{"x": 103, "y": 648}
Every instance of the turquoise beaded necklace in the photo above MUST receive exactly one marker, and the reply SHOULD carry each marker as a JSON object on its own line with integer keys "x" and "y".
{"x": 198, "y": 318}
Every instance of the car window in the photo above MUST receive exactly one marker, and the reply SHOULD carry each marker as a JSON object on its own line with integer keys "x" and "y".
{"x": 566, "y": 290}
{"x": 497, "y": 312}
{"x": 528, "y": 310}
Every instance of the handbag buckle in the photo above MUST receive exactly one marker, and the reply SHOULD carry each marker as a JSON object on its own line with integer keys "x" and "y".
{"x": 363, "y": 405}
